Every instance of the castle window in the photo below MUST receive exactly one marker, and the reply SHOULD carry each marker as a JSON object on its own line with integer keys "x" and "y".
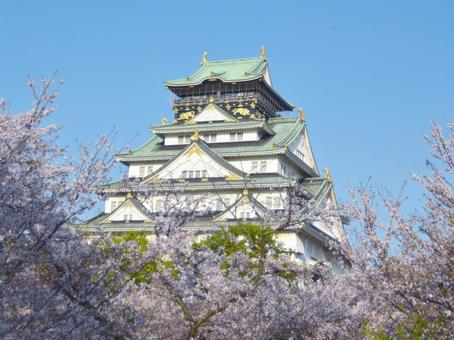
{"x": 184, "y": 139}
{"x": 277, "y": 202}
{"x": 210, "y": 137}
{"x": 254, "y": 166}
{"x": 245, "y": 214}
{"x": 227, "y": 202}
{"x": 159, "y": 205}
{"x": 194, "y": 174}
{"x": 269, "y": 202}
{"x": 149, "y": 169}
{"x": 142, "y": 171}
{"x": 113, "y": 205}
{"x": 263, "y": 166}
{"x": 219, "y": 205}
{"x": 236, "y": 136}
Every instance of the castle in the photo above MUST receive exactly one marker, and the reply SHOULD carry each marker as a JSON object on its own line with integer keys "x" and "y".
{"x": 229, "y": 155}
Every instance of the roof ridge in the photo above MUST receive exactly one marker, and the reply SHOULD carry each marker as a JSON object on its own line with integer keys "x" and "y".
{"x": 233, "y": 60}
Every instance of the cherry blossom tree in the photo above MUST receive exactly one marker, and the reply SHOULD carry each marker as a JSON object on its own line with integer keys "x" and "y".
{"x": 403, "y": 266}
{"x": 47, "y": 282}
{"x": 236, "y": 282}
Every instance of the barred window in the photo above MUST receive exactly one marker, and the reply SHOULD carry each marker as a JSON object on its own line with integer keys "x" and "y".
{"x": 263, "y": 166}
{"x": 142, "y": 171}
{"x": 254, "y": 166}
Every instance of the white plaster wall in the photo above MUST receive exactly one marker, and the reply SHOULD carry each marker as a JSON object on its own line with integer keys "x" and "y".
{"x": 192, "y": 162}
{"x": 224, "y": 137}
{"x": 246, "y": 165}
{"x": 287, "y": 169}
{"x": 131, "y": 212}
{"x": 133, "y": 169}
{"x": 108, "y": 203}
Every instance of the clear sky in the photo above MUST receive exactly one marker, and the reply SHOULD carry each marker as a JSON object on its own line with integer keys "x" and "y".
{"x": 370, "y": 75}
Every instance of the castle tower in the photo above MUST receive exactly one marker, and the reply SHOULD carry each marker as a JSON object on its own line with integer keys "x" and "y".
{"x": 233, "y": 153}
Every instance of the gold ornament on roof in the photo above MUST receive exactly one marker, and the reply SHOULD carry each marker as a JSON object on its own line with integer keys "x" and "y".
{"x": 301, "y": 112}
{"x": 163, "y": 121}
{"x": 328, "y": 175}
{"x": 204, "y": 58}
{"x": 263, "y": 53}
{"x": 242, "y": 111}
{"x": 186, "y": 115}
{"x": 195, "y": 136}
{"x": 129, "y": 195}
{"x": 245, "y": 192}
{"x": 211, "y": 99}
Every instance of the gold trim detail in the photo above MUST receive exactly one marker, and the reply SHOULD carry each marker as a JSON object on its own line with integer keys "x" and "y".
{"x": 242, "y": 111}
{"x": 195, "y": 136}
{"x": 204, "y": 58}
{"x": 263, "y": 53}
{"x": 327, "y": 175}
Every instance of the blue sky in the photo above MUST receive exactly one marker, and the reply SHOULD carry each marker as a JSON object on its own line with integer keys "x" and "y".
{"x": 370, "y": 75}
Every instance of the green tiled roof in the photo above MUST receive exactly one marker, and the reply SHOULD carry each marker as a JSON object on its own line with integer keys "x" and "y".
{"x": 235, "y": 70}
{"x": 215, "y": 126}
{"x": 155, "y": 148}
{"x": 253, "y": 182}
{"x": 134, "y": 201}
{"x": 285, "y": 130}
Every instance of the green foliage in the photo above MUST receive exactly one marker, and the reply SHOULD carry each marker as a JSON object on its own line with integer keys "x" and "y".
{"x": 253, "y": 240}
{"x": 411, "y": 328}
{"x": 140, "y": 238}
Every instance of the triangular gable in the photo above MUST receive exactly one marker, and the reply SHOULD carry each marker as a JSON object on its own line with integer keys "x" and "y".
{"x": 198, "y": 158}
{"x": 212, "y": 113}
{"x": 131, "y": 210}
{"x": 245, "y": 207}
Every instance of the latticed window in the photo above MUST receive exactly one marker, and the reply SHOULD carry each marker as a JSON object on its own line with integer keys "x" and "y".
{"x": 245, "y": 214}
{"x": 142, "y": 171}
{"x": 269, "y": 202}
{"x": 236, "y": 136}
{"x": 210, "y": 137}
{"x": 254, "y": 166}
{"x": 277, "y": 202}
{"x": 149, "y": 169}
{"x": 219, "y": 205}
{"x": 227, "y": 202}
{"x": 159, "y": 205}
{"x": 263, "y": 166}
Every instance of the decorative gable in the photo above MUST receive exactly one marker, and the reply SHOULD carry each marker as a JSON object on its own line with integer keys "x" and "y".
{"x": 196, "y": 161}
{"x": 212, "y": 113}
{"x": 131, "y": 210}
